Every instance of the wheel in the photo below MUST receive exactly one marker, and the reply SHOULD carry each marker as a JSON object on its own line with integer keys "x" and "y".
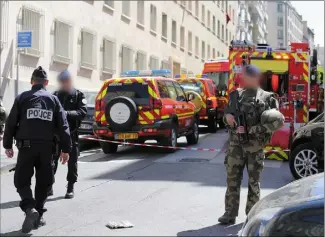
{"x": 108, "y": 148}
{"x": 171, "y": 140}
{"x": 193, "y": 138}
{"x": 213, "y": 125}
{"x": 303, "y": 161}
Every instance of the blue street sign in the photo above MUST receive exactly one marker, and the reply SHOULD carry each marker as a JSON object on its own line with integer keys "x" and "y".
{"x": 24, "y": 39}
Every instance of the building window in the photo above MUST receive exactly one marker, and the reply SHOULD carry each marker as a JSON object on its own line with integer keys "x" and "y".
{"x": 109, "y": 4}
{"x": 213, "y": 53}
{"x": 280, "y": 7}
{"x": 203, "y": 50}
{"x": 209, "y": 20}
{"x": 223, "y": 33}
{"x": 141, "y": 61}
{"x": 197, "y": 46}
{"x": 153, "y": 18}
{"x": 140, "y": 12}
{"x": 126, "y": 8}
{"x": 214, "y": 24}
{"x": 222, "y": 5}
{"x": 209, "y": 52}
{"x": 33, "y": 20}
{"x": 109, "y": 56}
{"x": 218, "y": 54}
{"x": 189, "y": 42}
{"x": 226, "y": 35}
{"x": 154, "y": 62}
{"x": 203, "y": 14}
{"x": 197, "y": 9}
{"x": 62, "y": 42}
{"x": 280, "y": 34}
{"x": 127, "y": 58}
{"x": 88, "y": 49}
{"x": 164, "y": 25}
{"x": 182, "y": 38}
{"x": 165, "y": 64}
{"x": 189, "y": 6}
{"x": 174, "y": 36}
{"x": 280, "y": 20}
{"x": 218, "y": 29}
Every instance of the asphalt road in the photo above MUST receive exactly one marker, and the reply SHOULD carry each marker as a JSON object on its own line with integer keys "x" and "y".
{"x": 176, "y": 194}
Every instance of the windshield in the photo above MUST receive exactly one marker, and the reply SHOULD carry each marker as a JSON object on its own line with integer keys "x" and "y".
{"x": 90, "y": 97}
{"x": 220, "y": 79}
{"x": 192, "y": 86}
{"x": 135, "y": 91}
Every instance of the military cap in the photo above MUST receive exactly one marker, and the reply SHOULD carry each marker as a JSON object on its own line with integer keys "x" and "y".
{"x": 251, "y": 70}
{"x": 40, "y": 73}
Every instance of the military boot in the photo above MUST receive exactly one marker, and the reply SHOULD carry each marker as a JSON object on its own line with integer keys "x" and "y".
{"x": 39, "y": 222}
{"x": 69, "y": 193}
{"x": 30, "y": 220}
{"x": 227, "y": 219}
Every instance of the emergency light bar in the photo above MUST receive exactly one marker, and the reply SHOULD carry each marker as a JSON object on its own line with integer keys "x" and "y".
{"x": 189, "y": 76}
{"x": 148, "y": 73}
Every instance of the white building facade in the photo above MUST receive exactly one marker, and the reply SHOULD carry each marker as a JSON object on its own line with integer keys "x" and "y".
{"x": 96, "y": 40}
{"x": 287, "y": 25}
{"x": 252, "y": 21}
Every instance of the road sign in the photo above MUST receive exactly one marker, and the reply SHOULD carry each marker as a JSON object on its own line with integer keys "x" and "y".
{"x": 24, "y": 39}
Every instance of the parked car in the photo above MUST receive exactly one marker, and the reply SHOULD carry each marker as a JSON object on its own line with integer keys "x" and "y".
{"x": 296, "y": 209}
{"x": 307, "y": 149}
{"x": 144, "y": 105}
{"x": 86, "y": 126}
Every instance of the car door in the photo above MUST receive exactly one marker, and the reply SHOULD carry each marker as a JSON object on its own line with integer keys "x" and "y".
{"x": 186, "y": 114}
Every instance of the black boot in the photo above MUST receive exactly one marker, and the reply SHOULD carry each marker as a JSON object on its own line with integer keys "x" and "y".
{"x": 39, "y": 222}
{"x": 227, "y": 219}
{"x": 30, "y": 220}
{"x": 69, "y": 193}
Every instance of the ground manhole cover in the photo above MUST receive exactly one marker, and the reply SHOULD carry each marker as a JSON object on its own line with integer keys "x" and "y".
{"x": 194, "y": 160}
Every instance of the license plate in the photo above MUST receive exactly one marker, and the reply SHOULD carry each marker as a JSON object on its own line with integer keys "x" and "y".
{"x": 85, "y": 126}
{"x": 125, "y": 136}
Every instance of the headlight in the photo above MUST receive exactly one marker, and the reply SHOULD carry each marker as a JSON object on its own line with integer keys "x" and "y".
{"x": 259, "y": 224}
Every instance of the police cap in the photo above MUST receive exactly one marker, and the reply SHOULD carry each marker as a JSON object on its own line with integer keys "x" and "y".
{"x": 252, "y": 70}
{"x": 64, "y": 75}
{"x": 39, "y": 73}
{"x": 272, "y": 120}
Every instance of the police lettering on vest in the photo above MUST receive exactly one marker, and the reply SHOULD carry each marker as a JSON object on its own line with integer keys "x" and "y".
{"x": 42, "y": 114}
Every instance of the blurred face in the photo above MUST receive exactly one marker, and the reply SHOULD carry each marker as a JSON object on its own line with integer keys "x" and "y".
{"x": 251, "y": 81}
{"x": 65, "y": 85}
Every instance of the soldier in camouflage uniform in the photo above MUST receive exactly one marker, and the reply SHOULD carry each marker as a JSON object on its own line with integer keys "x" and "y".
{"x": 252, "y": 101}
{"x": 2, "y": 119}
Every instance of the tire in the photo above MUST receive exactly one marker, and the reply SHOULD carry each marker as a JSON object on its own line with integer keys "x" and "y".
{"x": 108, "y": 148}
{"x": 171, "y": 140}
{"x": 121, "y": 113}
{"x": 213, "y": 125}
{"x": 193, "y": 138}
{"x": 302, "y": 166}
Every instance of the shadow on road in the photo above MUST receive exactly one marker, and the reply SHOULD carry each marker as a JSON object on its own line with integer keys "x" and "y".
{"x": 15, "y": 233}
{"x": 215, "y": 230}
{"x": 13, "y": 204}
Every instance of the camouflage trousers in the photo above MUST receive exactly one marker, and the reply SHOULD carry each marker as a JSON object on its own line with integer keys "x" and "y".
{"x": 238, "y": 157}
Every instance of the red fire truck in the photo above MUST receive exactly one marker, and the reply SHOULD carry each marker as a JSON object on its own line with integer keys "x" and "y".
{"x": 218, "y": 71}
{"x": 290, "y": 73}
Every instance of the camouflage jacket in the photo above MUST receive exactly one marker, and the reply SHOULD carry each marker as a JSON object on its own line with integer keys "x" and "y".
{"x": 252, "y": 102}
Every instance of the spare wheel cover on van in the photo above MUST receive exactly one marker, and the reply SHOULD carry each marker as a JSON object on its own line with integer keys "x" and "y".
{"x": 121, "y": 113}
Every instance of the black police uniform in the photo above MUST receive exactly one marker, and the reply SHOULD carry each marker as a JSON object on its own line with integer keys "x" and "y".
{"x": 75, "y": 105}
{"x": 34, "y": 117}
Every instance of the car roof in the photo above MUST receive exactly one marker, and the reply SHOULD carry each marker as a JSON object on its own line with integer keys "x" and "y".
{"x": 143, "y": 78}
{"x": 194, "y": 78}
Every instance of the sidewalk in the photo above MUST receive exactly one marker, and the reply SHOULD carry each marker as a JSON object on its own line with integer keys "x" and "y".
{"x": 5, "y": 162}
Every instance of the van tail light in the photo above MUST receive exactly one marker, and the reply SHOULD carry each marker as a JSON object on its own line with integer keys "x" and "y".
{"x": 99, "y": 105}
{"x": 157, "y": 104}
{"x": 209, "y": 103}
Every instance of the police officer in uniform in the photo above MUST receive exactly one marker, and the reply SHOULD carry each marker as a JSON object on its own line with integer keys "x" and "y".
{"x": 34, "y": 117}
{"x": 75, "y": 105}
{"x": 260, "y": 109}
